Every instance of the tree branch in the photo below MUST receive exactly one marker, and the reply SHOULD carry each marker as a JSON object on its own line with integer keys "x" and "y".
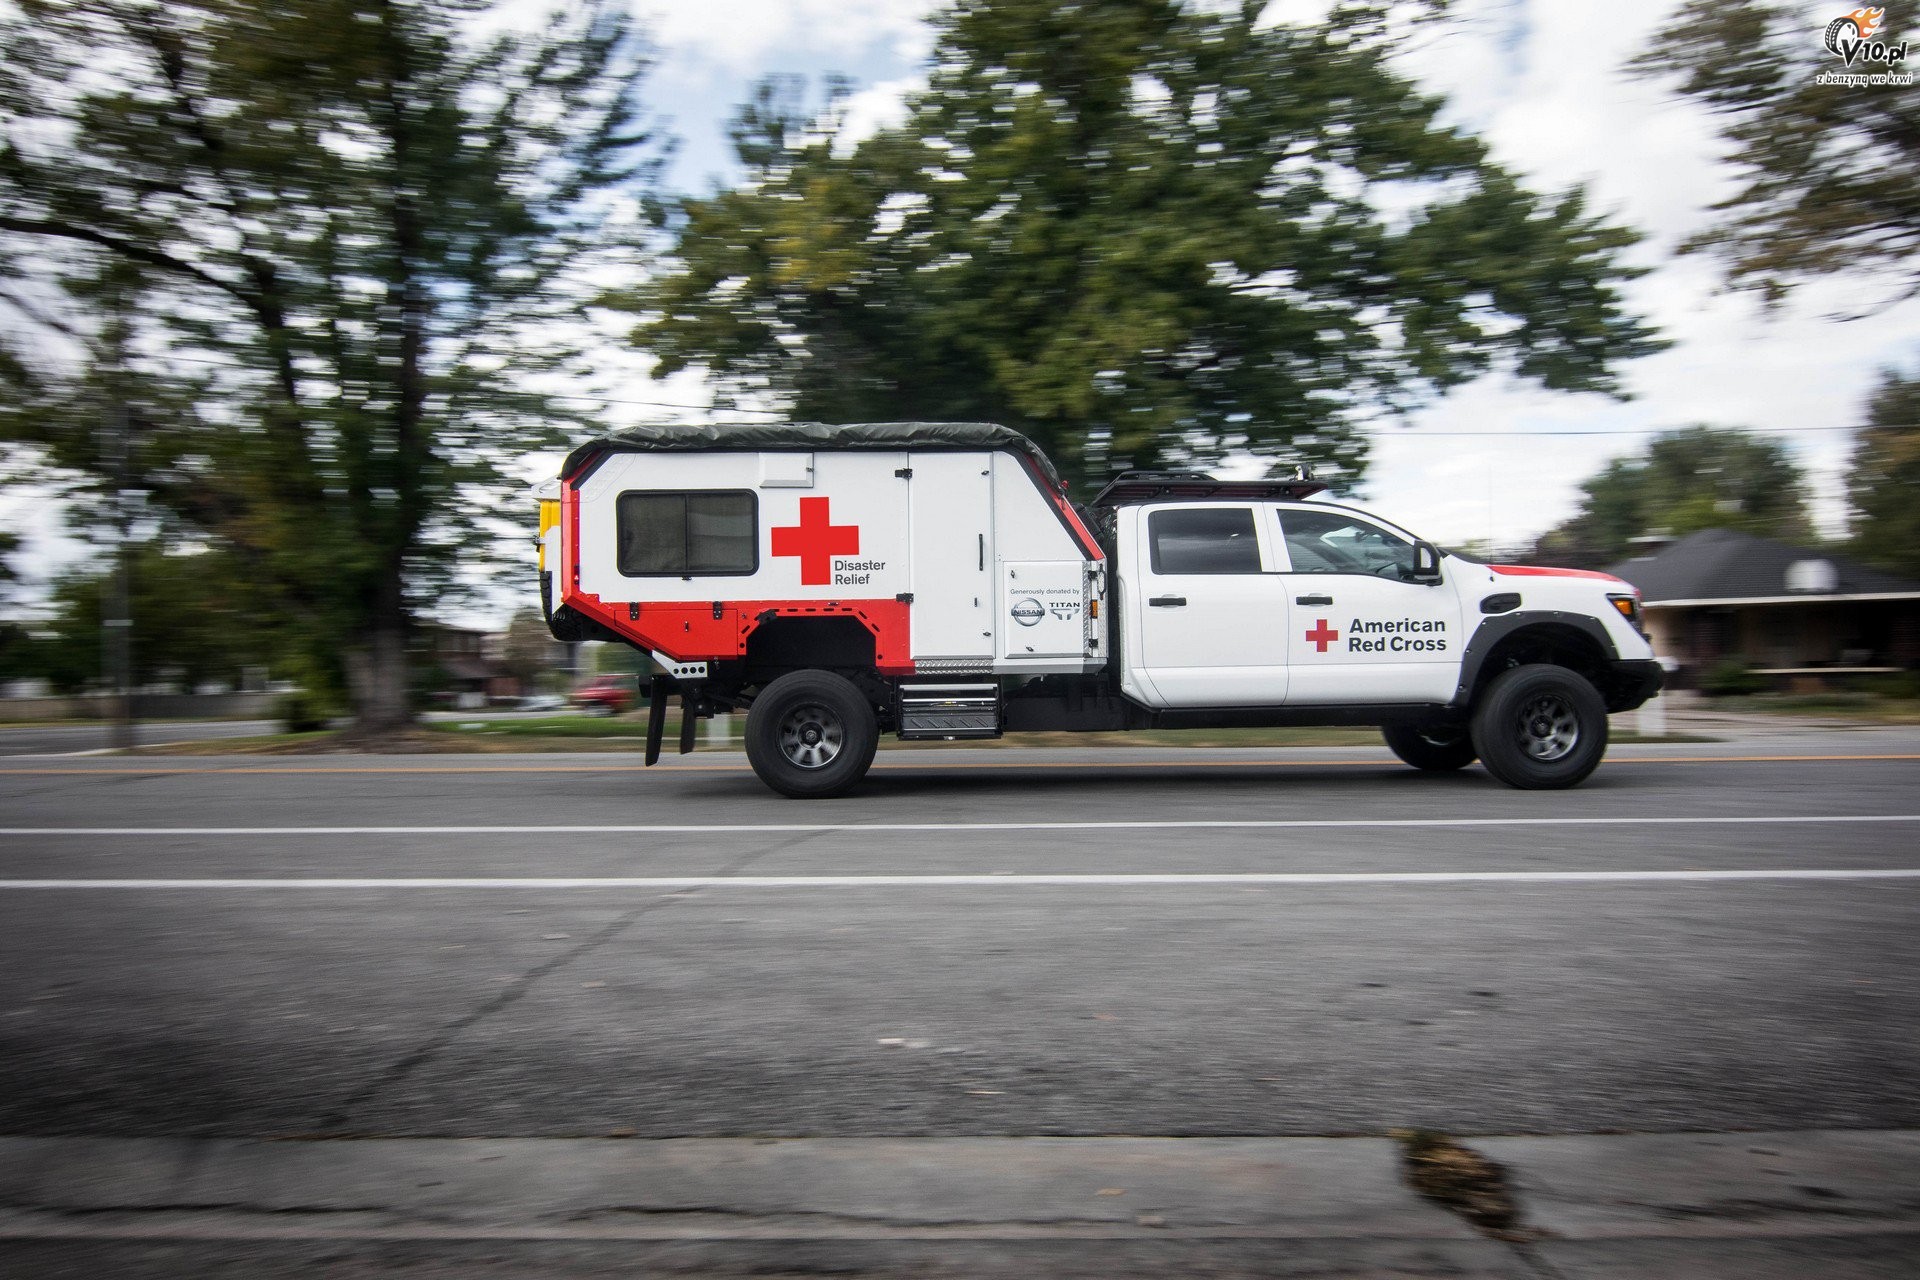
{"x": 127, "y": 249}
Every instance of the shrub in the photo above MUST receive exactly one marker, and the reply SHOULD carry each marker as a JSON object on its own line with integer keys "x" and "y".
{"x": 302, "y": 712}
{"x": 1730, "y": 678}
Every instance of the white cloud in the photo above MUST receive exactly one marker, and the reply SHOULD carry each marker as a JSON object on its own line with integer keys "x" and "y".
{"x": 745, "y": 36}
{"x": 877, "y": 107}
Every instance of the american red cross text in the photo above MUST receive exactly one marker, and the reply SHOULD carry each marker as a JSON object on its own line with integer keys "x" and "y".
{"x": 816, "y": 540}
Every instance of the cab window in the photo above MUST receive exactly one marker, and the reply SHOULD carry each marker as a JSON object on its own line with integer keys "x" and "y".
{"x": 1203, "y": 540}
{"x": 1333, "y": 542}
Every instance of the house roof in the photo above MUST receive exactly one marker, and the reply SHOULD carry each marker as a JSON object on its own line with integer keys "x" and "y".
{"x": 1720, "y": 564}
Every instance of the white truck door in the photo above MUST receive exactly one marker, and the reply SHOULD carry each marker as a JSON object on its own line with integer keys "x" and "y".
{"x": 1212, "y": 622}
{"x": 950, "y": 505}
{"x": 1361, "y": 632}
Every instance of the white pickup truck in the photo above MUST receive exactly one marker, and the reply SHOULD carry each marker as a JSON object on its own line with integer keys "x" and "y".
{"x": 934, "y": 581}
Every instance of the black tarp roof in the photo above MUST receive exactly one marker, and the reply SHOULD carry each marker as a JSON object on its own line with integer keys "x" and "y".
{"x": 759, "y": 437}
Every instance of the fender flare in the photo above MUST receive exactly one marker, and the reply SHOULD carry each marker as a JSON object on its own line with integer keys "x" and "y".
{"x": 1491, "y": 631}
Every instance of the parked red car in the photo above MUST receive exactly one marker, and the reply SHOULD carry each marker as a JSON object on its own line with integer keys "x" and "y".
{"x": 605, "y": 695}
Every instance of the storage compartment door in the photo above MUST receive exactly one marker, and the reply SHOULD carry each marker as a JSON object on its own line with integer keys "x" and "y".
{"x": 1043, "y": 609}
{"x": 950, "y": 504}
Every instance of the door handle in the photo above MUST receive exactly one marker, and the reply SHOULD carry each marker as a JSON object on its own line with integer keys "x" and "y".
{"x": 1312, "y": 600}
{"x": 1168, "y": 602}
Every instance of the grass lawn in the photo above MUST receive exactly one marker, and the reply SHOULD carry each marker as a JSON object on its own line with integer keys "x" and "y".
{"x": 1868, "y": 708}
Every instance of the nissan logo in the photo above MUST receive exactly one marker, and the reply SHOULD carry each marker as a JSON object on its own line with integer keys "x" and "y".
{"x": 1028, "y": 612}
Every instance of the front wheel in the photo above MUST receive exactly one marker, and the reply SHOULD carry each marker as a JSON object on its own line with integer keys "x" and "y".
{"x": 1437, "y": 748}
{"x": 811, "y": 734}
{"x": 1540, "y": 727}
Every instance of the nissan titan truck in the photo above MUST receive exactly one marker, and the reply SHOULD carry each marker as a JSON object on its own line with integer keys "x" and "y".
{"x": 933, "y": 581}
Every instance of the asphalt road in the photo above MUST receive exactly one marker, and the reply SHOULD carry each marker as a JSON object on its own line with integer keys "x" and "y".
{"x": 717, "y": 961}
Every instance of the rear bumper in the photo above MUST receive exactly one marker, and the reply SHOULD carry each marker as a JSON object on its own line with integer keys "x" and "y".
{"x": 1631, "y": 681}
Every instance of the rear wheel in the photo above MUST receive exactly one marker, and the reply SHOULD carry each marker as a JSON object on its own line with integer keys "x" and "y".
{"x": 1437, "y": 748}
{"x": 1540, "y": 727}
{"x": 811, "y": 734}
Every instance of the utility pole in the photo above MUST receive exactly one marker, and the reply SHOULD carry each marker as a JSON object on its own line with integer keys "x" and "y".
{"x": 118, "y": 624}
{"x": 116, "y": 620}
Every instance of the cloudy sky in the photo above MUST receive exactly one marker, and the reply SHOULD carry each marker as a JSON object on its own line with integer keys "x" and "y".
{"x": 1541, "y": 80}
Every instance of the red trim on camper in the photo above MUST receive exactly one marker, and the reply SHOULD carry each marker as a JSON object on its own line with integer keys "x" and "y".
{"x": 688, "y": 631}
{"x": 1534, "y": 571}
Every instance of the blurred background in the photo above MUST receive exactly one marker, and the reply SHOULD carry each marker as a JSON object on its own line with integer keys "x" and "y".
{"x": 298, "y": 299}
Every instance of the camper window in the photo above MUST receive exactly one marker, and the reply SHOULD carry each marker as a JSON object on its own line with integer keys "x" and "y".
{"x": 683, "y": 534}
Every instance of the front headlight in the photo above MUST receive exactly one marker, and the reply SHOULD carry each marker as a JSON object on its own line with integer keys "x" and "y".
{"x": 1629, "y": 608}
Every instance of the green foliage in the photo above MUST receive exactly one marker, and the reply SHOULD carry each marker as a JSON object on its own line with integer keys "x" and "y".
{"x": 617, "y": 660}
{"x": 1884, "y": 482}
{"x": 189, "y": 626}
{"x": 1898, "y": 684}
{"x": 1142, "y": 232}
{"x": 1826, "y": 170}
{"x": 1691, "y": 479}
{"x": 301, "y": 712}
{"x": 319, "y": 251}
{"x": 1730, "y": 678}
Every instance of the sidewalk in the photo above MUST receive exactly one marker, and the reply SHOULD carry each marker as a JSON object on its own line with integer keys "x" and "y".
{"x": 1836, "y": 1205}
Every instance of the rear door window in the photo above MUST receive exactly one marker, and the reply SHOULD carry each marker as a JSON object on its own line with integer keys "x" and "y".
{"x": 1203, "y": 540}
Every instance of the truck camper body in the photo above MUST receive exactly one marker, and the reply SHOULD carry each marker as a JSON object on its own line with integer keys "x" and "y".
{"x": 934, "y": 581}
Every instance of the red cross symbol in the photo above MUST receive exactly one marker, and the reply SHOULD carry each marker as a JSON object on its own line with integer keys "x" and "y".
{"x": 1322, "y": 635}
{"x": 816, "y": 540}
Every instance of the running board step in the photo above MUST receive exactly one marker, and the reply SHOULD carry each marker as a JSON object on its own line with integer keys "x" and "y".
{"x": 950, "y": 711}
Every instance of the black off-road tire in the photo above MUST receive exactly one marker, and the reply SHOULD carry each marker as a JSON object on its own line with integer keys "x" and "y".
{"x": 1436, "y": 748}
{"x": 1540, "y": 727}
{"x": 811, "y": 734}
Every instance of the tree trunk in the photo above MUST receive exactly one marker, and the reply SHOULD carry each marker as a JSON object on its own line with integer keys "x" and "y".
{"x": 377, "y": 676}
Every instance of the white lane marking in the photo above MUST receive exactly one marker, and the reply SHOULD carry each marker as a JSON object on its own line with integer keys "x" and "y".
{"x": 778, "y": 828}
{"x": 995, "y": 881}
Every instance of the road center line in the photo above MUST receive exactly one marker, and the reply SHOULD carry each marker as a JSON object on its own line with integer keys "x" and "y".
{"x": 855, "y": 828}
{"x": 1121, "y": 880}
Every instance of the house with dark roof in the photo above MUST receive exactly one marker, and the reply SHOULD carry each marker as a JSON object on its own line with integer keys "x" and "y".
{"x": 1783, "y": 610}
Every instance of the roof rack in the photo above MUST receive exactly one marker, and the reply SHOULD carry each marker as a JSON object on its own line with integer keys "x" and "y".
{"x": 1198, "y": 486}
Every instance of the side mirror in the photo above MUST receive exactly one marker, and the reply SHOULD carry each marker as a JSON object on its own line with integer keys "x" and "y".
{"x": 1426, "y": 564}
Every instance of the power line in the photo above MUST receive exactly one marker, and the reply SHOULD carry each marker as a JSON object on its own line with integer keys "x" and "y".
{"x": 1409, "y": 432}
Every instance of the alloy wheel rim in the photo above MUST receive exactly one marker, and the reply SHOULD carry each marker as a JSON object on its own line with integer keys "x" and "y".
{"x": 1549, "y": 729}
{"x": 812, "y": 736}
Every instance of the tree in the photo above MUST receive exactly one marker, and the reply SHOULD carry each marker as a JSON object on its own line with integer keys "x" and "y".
{"x": 189, "y": 627}
{"x": 1142, "y": 232}
{"x": 1826, "y": 169}
{"x": 530, "y": 653}
{"x": 1884, "y": 482}
{"x": 318, "y": 254}
{"x": 1690, "y": 479}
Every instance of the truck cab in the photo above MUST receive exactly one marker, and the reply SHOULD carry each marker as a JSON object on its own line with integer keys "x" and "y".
{"x": 1283, "y": 603}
